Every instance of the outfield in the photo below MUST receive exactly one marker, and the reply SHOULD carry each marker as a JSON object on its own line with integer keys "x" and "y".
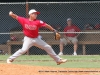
{"x": 80, "y": 61}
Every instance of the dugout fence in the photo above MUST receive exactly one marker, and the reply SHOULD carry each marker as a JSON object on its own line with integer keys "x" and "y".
{"x": 54, "y": 13}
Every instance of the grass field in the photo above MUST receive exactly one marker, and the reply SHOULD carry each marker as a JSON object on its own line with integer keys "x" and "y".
{"x": 80, "y": 61}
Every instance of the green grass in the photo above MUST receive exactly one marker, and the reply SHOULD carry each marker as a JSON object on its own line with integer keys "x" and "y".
{"x": 80, "y": 61}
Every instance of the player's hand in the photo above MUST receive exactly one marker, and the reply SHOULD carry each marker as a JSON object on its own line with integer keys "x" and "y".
{"x": 10, "y": 13}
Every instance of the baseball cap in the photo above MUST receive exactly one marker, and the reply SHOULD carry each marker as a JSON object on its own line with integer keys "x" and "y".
{"x": 69, "y": 19}
{"x": 33, "y": 11}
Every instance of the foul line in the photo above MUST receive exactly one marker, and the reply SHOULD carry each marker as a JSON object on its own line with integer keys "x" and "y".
{"x": 65, "y": 71}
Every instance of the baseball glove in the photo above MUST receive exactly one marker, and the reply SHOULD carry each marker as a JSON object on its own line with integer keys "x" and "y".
{"x": 56, "y": 35}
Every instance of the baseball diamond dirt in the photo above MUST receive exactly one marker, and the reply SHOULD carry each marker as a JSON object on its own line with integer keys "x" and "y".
{"x": 15, "y": 69}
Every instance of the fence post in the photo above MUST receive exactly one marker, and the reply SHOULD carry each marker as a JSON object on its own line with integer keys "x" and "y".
{"x": 27, "y": 6}
{"x": 84, "y": 49}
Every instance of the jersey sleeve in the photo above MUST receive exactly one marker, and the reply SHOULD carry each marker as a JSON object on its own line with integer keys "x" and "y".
{"x": 41, "y": 24}
{"x": 21, "y": 20}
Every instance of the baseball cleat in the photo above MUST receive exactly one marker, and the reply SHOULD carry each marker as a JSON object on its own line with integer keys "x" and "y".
{"x": 61, "y": 61}
{"x": 9, "y": 61}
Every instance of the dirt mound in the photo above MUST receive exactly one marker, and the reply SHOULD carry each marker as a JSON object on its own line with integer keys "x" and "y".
{"x": 14, "y": 69}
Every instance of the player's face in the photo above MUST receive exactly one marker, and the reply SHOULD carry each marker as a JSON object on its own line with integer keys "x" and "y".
{"x": 69, "y": 22}
{"x": 33, "y": 15}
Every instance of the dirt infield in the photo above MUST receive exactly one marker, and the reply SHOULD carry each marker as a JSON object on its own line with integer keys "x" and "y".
{"x": 14, "y": 69}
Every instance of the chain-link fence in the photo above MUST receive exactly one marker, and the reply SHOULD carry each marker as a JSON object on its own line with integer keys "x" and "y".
{"x": 85, "y": 15}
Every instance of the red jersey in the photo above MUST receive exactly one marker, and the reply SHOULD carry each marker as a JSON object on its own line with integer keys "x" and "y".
{"x": 71, "y": 28}
{"x": 30, "y": 28}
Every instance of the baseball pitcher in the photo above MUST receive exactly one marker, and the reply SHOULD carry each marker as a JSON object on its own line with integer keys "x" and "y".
{"x": 30, "y": 29}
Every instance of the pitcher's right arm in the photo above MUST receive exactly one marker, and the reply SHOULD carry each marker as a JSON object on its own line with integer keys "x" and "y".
{"x": 13, "y": 15}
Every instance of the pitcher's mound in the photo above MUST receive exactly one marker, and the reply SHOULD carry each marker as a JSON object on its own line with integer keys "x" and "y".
{"x": 14, "y": 69}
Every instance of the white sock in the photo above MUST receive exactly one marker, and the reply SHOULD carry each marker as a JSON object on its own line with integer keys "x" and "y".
{"x": 75, "y": 53}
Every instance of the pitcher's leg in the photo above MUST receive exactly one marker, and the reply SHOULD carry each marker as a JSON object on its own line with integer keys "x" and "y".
{"x": 43, "y": 45}
{"x": 51, "y": 52}
{"x": 26, "y": 45}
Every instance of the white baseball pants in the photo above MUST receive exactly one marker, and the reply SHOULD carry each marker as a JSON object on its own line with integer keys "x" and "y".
{"x": 38, "y": 42}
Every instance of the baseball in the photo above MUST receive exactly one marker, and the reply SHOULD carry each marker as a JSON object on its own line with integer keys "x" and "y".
{"x": 10, "y": 12}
